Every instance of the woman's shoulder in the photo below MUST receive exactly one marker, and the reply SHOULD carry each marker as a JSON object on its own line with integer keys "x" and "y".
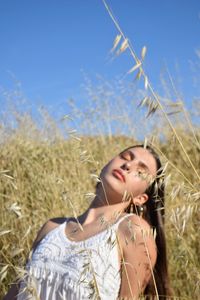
{"x": 135, "y": 229}
{"x": 51, "y": 224}
{"x": 48, "y": 226}
{"x": 134, "y": 221}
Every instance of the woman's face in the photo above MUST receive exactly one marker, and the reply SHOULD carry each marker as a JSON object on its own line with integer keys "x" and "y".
{"x": 131, "y": 171}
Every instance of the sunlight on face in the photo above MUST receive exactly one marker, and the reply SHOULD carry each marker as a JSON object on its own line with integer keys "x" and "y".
{"x": 132, "y": 171}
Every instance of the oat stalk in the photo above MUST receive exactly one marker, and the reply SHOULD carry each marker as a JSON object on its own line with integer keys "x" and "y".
{"x": 148, "y": 84}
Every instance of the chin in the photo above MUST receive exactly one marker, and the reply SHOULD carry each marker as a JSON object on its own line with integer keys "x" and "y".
{"x": 113, "y": 187}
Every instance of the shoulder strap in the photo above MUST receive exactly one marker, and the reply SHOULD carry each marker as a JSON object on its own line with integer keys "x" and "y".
{"x": 123, "y": 218}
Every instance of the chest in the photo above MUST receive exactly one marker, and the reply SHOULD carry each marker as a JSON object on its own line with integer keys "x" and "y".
{"x": 76, "y": 233}
{"x": 80, "y": 261}
{"x": 56, "y": 250}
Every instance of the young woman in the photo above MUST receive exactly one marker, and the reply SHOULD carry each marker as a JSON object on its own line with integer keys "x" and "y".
{"x": 116, "y": 249}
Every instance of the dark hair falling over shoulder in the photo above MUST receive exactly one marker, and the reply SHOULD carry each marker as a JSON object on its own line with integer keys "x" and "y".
{"x": 154, "y": 213}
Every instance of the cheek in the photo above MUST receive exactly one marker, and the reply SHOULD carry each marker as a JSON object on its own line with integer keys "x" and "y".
{"x": 111, "y": 184}
{"x": 104, "y": 171}
{"x": 136, "y": 186}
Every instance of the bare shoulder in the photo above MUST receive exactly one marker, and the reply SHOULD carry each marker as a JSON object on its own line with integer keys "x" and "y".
{"x": 46, "y": 228}
{"x": 51, "y": 224}
{"x": 136, "y": 231}
{"x": 134, "y": 221}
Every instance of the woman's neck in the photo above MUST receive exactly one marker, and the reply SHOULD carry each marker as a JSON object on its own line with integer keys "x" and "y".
{"x": 98, "y": 210}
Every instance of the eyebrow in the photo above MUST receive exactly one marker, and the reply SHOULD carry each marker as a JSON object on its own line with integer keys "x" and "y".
{"x": 144, "y": 166}
{"x": 140, "y": 163}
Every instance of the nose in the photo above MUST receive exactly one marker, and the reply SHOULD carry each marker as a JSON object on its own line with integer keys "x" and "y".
{"x": 126, "y": 166}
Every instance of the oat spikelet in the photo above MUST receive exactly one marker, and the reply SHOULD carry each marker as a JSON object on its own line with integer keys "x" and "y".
{"x": 4, "y": 232}
{"x": 146, "y": 82}
{"x": 134, "y": 67}
{"x": 16, "y": 209}
{"x": 3, "y": 272}
{"x": 116, "y": 42}
{"x": 123, "y": 47}
{"x": 143, "y": 52}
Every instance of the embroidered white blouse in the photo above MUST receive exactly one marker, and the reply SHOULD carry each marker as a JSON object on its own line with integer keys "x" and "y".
{"x": 73, "y": 270}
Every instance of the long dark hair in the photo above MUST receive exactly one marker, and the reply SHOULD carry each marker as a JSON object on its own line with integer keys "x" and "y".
{"x": 154, "y": 214}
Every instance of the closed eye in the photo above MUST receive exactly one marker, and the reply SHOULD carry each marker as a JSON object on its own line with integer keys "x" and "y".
{"x": 127, "y": 155}
{"x": 141, "y": 172}
{"x": 144, "y": 175}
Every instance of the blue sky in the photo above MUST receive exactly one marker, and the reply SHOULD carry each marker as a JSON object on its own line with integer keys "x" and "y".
{"x": 49, "y": 45}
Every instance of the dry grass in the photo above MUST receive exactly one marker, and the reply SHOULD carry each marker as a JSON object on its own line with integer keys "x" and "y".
{"x": 48, "y": 170}
{"x": 42, "y": 176}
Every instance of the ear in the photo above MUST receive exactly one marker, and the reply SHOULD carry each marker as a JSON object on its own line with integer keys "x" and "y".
{"x": 140, "y": 199}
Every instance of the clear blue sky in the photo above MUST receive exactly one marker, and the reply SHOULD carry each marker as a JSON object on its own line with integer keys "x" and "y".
{"x": 46, "y": 44}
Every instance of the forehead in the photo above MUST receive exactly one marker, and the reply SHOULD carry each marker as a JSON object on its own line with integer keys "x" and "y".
{"x": 143, "y": 156}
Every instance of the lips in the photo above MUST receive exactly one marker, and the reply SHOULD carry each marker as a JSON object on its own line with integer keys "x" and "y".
{"x": 117, "y": 173}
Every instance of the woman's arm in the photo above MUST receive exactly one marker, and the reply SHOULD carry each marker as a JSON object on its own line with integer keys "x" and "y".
{"x": 138, "y": 251}
{"x": 13, "y": 292}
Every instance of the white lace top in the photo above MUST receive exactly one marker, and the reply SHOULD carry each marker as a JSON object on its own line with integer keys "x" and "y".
{"x": 73, "y": 270}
